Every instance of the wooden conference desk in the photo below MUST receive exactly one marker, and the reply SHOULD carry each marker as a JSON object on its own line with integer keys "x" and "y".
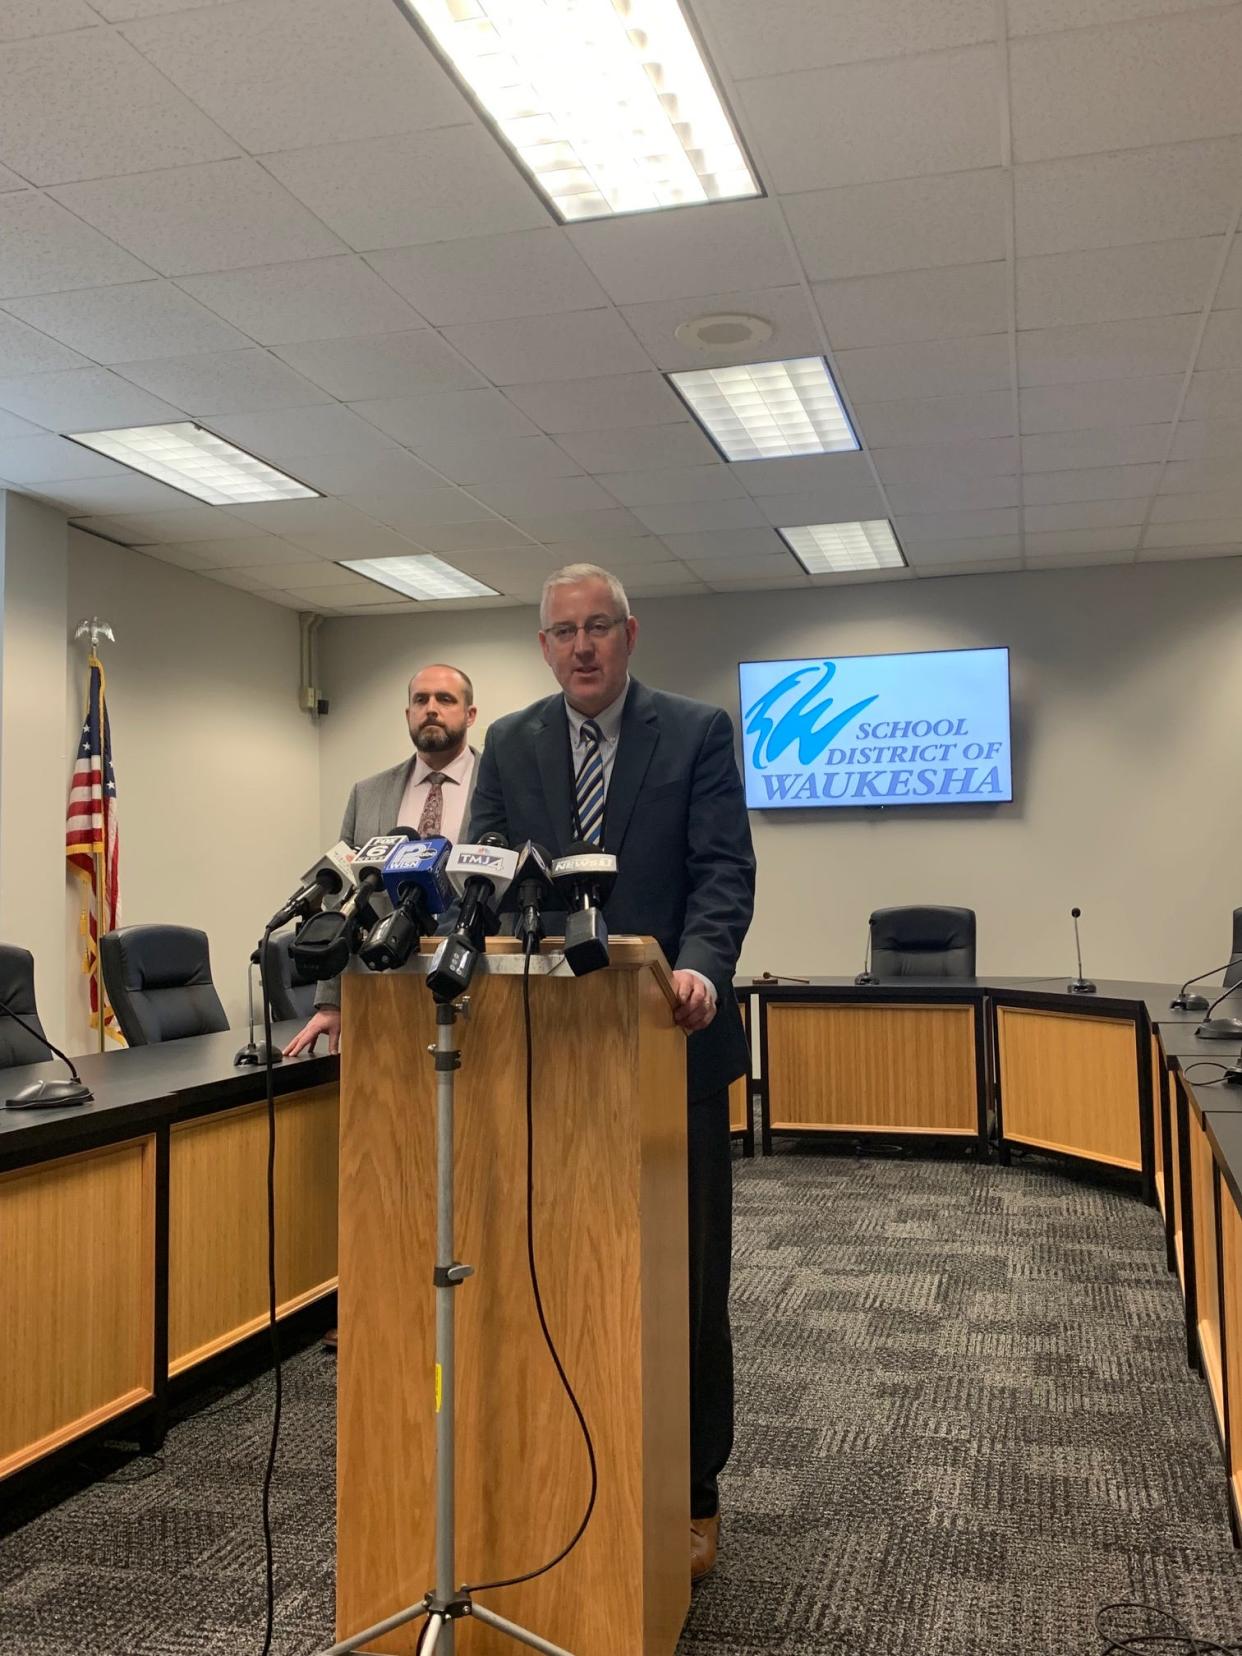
{"x": 133, "y": 1230}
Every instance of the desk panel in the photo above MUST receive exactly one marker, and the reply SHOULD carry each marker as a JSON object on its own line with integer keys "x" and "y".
{"x": 1069, "y": 1083}
{"x": 1158, "y": 1133}
{"x": 1206, "y": 1311}
{"x": 1231, "y": 1333}
{"x": 879, "y": 1066}
{"x": 217, "y": 1220}
{"x": 77, "y": 1296}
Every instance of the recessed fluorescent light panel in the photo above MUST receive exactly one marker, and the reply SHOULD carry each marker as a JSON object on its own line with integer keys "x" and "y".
{"x": 607, "y": 104}
{"x": 843, "y": 548}
{"x": 769, "y": 410}
{"x": 195, "y": 461}
{"x": 420, "y": 577}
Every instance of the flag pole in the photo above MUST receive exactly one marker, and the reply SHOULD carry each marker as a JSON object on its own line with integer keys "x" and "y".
{"x": 99, "y": 987}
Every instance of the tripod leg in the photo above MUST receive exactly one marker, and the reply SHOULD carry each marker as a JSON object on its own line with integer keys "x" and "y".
{"x": 491, "y": 1619}
{"x": 355, "y": 1640}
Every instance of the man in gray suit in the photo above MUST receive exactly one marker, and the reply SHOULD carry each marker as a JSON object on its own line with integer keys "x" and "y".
{"x": 430, "y": 791}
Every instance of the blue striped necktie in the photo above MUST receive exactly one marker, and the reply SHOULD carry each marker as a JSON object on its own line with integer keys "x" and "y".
{"x": 590, "y": 787}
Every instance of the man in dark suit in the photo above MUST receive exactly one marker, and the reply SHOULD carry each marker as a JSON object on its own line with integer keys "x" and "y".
{"x": 651, "y": 777}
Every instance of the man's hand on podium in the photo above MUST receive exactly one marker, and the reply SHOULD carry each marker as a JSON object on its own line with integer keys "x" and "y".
{"x": 695, "y": 1006}
{"x": 327, "y": 1021}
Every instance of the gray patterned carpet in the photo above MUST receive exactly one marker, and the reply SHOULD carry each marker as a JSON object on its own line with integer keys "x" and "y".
{"x": 965, "y": 1423}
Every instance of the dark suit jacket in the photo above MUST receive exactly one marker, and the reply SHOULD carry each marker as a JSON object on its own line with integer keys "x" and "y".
{"x": 675, "y": 816}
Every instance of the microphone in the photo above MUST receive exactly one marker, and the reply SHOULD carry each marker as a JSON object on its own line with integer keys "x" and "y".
{"x": 47, "y": 1094}
{"x": 1182, "y": 1002}
{"x": 867, "y": 977}
{"x": 587, "y": 875}
{"x": 1220, "y": 1029}
{"x": 1080, "y": 985}
{"x": 480, "y": 874}
{"x": 331, "y": 876}
{"x": 419, "y": 891}
{"x": 322, "y": 947}
{"x": 252, "y": 1053}
{"x": 530, "y": 893}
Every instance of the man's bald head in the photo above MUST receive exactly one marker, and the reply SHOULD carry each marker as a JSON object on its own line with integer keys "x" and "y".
{"x": 439, "y": 713}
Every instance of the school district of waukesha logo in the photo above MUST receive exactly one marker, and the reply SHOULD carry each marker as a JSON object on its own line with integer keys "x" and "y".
{"x": 776, "y": 729}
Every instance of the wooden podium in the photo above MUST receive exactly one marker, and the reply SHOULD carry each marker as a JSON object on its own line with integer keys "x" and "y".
{"x": 610, "y": 1228}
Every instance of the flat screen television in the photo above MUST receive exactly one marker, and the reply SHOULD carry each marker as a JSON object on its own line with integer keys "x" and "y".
{"x": 926, "y": 728}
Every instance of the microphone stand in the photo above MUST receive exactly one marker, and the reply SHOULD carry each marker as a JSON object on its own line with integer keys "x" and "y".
{"x": 1221, "y": 1029}
{"x": 251, "y": 1054}
{"x": 49, "y": 1094}
{"x": 866, "y": 979}
{"x": 446, "y": 1603}
{"x": 1182, "y": 1002}
{"x": 1079, "y": 985}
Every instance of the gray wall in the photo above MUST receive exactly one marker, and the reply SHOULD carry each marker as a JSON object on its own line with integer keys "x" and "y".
{"x": 1126, "y": 683}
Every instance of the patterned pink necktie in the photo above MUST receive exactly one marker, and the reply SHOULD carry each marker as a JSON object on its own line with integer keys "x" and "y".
{"x": 433, "y": 809}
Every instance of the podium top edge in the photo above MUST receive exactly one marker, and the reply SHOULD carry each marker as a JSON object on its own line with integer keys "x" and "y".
{"x": 504, "y": 958}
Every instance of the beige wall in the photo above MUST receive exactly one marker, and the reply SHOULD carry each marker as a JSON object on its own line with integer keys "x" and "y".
{"x": 33, "y": 780}
{"x": 217, "y": 769}
{"x": 1126, "y": 683}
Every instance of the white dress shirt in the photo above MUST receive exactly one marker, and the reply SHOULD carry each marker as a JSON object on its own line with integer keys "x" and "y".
{"x": 609, "y": 722}
{"x": 456, "y": 776}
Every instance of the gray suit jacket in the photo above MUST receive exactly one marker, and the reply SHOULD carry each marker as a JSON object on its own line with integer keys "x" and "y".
{"x": 372, "y": 809}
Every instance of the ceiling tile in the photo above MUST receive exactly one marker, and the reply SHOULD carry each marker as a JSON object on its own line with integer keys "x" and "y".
{"x": 25, "y": 350}
{"x": 663, "y": 488}
{"x": 606, "y": 526}
{"x": 901, "y": 224}
{"x": 500, "y": 460}
{"x": 1167, "y": 193}
{"x": 952, "y": 494}
{"x": 44, "y": 459}
{"x": 1125, "y": 87}
{"x": 606, "y": 404}
{"x": 244, "y": 552}
{"x": 520, "y": 566}
{"x": 300, "y": 601}
{"x": 763, "y": 583}
{"x": 44, "y": 248}
{"x": 620, "y": 556}
{"x": 86, "y": 105}
{"x": 906, "y": 420}
{"x": 83, "y": 399}
{"x": 1222, "y": 341}
{"x": 295, "y": 517}
{"x": 191, "y": 522}
{"x": 1111, "y": 283}
{"x": 978, "y": 551}
{"x": 638, "y": 448}
{"x": 1106, "y": 350}
{"x": 394, "y": 472}
{"x": 1177, "y": 554}
{"x": 20, "y": 19}
{"x": 1060, "y": 543}
{"x": 488, "y": 278}
{"x": 928, "y": 462}
{"x": 665, "y": 581}
{"x": 726, "y": 543}
{"x": 1102, "y": 403}
{"x": 325, "y": 429}
{"x": 220, "y": 216}
{"x": 652, "y": 256}
{"x": 779, "y": 563}
{"x": 923, "y": 528}
{"x": 1186, "y": 508}
{"x": 1041, "y": 16}
{"x": 936, "y": 367}
{"x": 367, "y": 539}
{"x": 448, "y": 417}
{"x": 132, "y": 322}
{"x": 576, "y": 345}
{"x": 795, "y": 328}
{"x": 1225, "y": 531}
{"x": 1091, "y": 483}
{"x": 224, "y": 382}
{"x": 357, "y": 590}
{"x": 1081, "y": 560}
{"x": 91, "y": 496}
{"x": 1214, "y": 396}
{"x": 411, "y": 510}
{"x": 1084, "y": 514}
{"x": 484, "y": 536}
{"x": 800, "y": 474}
{"x": 853, "y": 502}
{"x": 1204, "y": 439}
{"x": 883, "y": 119}
{"x": 189, "y": 556}
{"x": 248, "y": 580}
{"x": 281, "y": 74}
{"x": 424, "y": 187}
{"x": 1229, "y": 294}
{"x": 1189, "y": 476}
{"x": 526, "y": 498}
{"x": 685, "y": 517}
{"x": 385, "y": 365}
{"x": 915, "y": 305}
{"x": 811, "y": 34}
{"x": 312, "y": 299}
{"x": 10, "y": 180}
{"x": 306, "y": 572}
{"x": 1067, "y": 450}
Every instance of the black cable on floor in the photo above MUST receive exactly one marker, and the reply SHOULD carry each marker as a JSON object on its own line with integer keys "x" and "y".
{"x": 1170, "y": 1637}
{"x": 273, "y": 1330}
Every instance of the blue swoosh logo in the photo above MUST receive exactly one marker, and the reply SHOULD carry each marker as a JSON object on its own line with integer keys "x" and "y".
{"x": 775, "y": 730}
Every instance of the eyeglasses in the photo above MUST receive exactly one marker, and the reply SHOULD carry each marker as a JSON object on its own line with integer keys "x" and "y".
{"x": 596, "y": 629}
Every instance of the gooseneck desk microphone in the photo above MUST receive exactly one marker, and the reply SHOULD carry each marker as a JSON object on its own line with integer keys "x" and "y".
{"x": 1079, "y": 985}
{"x": 47, "y": 1095}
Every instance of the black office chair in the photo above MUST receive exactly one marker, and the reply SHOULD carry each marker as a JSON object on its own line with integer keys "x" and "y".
{"x": 292, "y": 995}
{"x": 923, "y": 942}
{"x": 158, "y": 979}
{"x": 1233, "y": 972}
{"x": 17, "y": 990}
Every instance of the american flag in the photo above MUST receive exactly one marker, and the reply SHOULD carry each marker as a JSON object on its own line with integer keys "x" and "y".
{"x": 91, "y": 835}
